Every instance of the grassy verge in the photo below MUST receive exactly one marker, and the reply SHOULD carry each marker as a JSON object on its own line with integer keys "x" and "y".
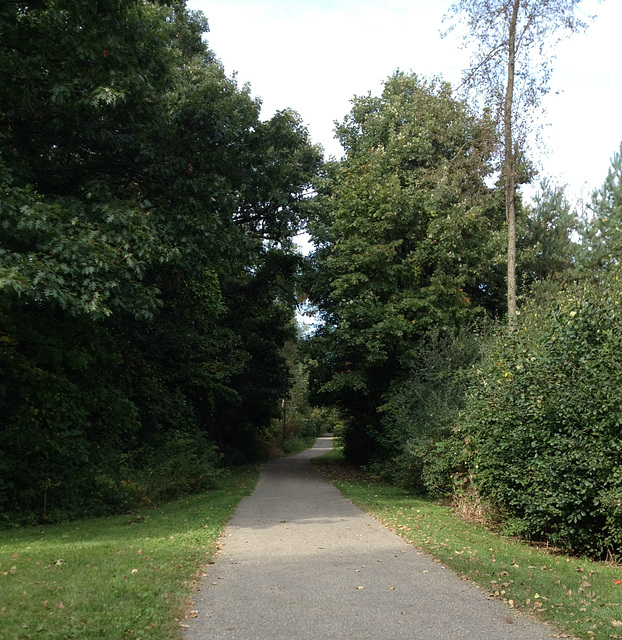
{"x": 581, "y": 597}
{"x": 297, "y": 445}
{"x": 121, "y": 578}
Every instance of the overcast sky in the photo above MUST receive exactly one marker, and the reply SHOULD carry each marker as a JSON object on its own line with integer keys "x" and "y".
{"x": 314, "y": 55}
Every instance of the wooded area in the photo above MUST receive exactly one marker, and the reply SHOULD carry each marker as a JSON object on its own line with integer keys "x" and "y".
{"x": 146, "y": 259}
{"x": 149, "y": 282}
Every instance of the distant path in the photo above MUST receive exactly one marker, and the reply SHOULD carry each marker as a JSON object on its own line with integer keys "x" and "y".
{"x": 296, "y": 555}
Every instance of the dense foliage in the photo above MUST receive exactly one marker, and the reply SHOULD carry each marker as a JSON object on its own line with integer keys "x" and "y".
{"x": 148, "y": 284}
{"x": 407, "y": 239}
{"x": 146, "y": 262}
{"x": 524, "y": 426}
{"x": 539, "y": 433}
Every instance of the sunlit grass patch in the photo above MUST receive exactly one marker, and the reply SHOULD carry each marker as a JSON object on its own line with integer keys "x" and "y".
{"x": 125, "y": 577}
{"x": 577, "y": 595}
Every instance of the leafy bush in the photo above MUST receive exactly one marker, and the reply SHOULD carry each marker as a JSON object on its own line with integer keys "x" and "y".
{"x": 183, "y": 463}
{"x": 422, "y": 409}
{"x": 541, "y": 431}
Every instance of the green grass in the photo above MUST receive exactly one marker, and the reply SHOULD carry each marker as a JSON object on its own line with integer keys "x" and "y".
{"x": 118, "y": 578}
{"x": 578, "y": 596}
{"x": 295, "y": 445}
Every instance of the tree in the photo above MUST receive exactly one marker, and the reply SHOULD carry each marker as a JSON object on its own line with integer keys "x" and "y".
{"x": 510, "y": 72}
{"x": 405, "y": 234}
{"x": 601, "y": 244}
{"x": 547, "y": 249}
{"x": 146, "y": 261}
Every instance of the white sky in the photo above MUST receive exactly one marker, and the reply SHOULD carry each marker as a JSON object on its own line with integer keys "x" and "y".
{"x": 314, "y": 55}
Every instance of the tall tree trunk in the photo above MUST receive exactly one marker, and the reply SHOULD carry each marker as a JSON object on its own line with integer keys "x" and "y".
{"x": 510, "y": 167}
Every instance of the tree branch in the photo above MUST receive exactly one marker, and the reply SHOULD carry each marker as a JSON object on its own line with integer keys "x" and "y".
{"x": 473, "y": 71}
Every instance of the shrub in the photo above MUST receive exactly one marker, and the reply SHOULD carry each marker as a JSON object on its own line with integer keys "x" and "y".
{"x": 184, "y": 462}
{"x": 541, "y": 429}
{"x": 421, "y": 410}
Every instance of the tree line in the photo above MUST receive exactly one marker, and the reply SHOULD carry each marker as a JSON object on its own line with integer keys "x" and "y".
{"x": 147, "y": 217}
{"x": 434, "y": 390}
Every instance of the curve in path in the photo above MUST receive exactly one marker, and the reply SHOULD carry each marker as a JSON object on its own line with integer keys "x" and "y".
{"x": 299, "y": 560}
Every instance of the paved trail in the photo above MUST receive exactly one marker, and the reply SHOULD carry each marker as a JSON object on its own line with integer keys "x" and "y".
{"x": 296, "y": 555}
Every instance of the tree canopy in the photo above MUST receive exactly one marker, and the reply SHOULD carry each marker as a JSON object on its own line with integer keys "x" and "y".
{"x": 149, "y": 277}
{"x": 406, "y": 242}
{"x": 146, "y": 255}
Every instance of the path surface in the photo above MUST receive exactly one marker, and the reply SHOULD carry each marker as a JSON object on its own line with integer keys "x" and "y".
{"x": 294, "y": 559}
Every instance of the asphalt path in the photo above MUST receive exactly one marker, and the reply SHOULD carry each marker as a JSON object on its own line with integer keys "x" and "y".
{"x": 299, "y": 560}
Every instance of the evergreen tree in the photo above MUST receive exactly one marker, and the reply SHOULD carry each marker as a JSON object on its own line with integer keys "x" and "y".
{"x": 602, "y": 230}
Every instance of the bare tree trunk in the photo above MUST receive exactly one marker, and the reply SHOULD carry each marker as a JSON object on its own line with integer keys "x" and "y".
{"x": 284, "y": 418}
{"x": 510, "y": 168}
